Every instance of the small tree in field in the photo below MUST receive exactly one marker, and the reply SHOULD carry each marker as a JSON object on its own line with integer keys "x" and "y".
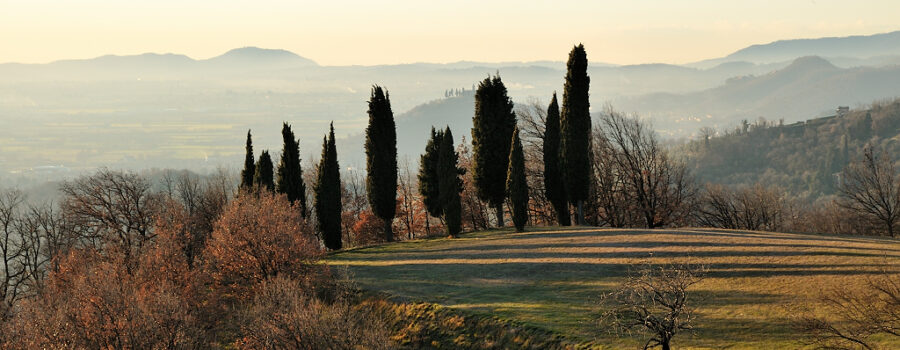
{"x": 653, "y": 300}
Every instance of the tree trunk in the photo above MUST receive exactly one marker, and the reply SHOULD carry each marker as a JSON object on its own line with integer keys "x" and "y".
{"x": 388, "y": 231}
{"x": 427, "y": 226}
{"x": 580, "y": 213}
{"x": 500, "y": 214}
{"x": 665, "y": 345}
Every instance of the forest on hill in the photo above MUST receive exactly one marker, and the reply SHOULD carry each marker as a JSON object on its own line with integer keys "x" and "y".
{"x": 804, "y": 158}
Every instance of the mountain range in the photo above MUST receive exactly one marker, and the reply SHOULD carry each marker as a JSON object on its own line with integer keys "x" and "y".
{"x": 170, "y": 110}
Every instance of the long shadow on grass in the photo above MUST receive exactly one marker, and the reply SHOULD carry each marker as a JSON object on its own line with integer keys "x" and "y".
{"x": 644, "y": 244}
{"x": 517, "y": 252}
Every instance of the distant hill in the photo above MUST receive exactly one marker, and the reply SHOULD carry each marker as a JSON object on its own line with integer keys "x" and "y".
{"x": 807, "y": 88}
{"x": 804, "y": 157}
{"x": 263, "y": 58}
{"x": 859, "y": 46}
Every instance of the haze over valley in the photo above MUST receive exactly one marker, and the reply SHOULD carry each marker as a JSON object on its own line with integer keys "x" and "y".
{"x": 169, "y": 110}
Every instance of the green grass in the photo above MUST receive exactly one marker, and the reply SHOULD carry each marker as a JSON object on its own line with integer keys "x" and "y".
{"x": 551, "y": 279}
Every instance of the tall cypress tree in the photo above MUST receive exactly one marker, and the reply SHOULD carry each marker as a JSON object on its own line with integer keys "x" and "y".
{"x": 492, "y": 128}
{"x": 249, "y": 165}
{"x": 450, "y": 184}
{"x": 381, "y": 159}
{"x": 328, "y": 194}
{"x": 575, "y": 128}
{"x": 263, "y": 177}
{"x": 428, "y": 174}
{"x": 553, "y": 180}
{"x": 290, "y": 174}
{"x": 516, "y": 183}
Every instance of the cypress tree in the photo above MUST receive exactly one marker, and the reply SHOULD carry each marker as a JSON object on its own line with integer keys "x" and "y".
{"x": 328, "y": 194}
{"x": 450, "y": 184}
{"x": 381, "y": 159}
{"x": 263, "y": 177}
{"x": 249, "y": 165}
{"x": 553, "y": 181}
{"x": 492, "y": 128}
{"x": 575, "y": 128}
{"x": 290, "y": 175}
{"x": 516, "y": 183}
{"x": 428, "y": 174}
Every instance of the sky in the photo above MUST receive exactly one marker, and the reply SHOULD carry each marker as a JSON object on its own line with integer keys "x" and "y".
{"x": 336, "y": 32}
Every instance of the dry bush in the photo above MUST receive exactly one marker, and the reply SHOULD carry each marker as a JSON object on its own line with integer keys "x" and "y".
{"x": 653, "y": 300}
{"x": 94, "y": 301}
{"x": 286, "y": 314}
{"x": 369, "y": 229}
{"x": 860, "y": 313}
{"x": 259, "y": 236}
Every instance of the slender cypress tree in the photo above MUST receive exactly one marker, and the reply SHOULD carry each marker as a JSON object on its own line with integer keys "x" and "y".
{"x": 249, "y": 165}
{"x": 263, "y": 177}
{"x": 450, "y": 184}
{"x": 553, "y": 181}
{"x": 575, "y": 128}
{"x": 381, "y": 159}
{"x": 428, "y": 174}
{"x": 290, "y": 174}
{"x": 328, "y": 194}
{"x": 516, "y": 183}
{"x": 492, "y": 128}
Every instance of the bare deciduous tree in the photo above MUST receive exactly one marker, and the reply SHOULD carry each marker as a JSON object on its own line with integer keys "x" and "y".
{"x": 657, "y": 186}
{"x": 860, "y": 315}
{"x": 870, "y": 189}
{"x": 111, "y": 207}
{"x": 748, "y": 208}
{"x": 653, "y": 300}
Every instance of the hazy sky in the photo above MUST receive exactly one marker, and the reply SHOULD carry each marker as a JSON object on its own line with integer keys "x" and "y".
{"x": 334, "y": 32}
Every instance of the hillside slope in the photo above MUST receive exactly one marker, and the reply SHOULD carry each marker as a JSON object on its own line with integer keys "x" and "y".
{"x": 801, "y": 157}
{"x": 551, "y": 279}
{"x": 809, "y": 87}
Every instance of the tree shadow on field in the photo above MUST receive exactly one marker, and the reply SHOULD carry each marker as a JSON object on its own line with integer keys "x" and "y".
{"x": 649, "y": 244}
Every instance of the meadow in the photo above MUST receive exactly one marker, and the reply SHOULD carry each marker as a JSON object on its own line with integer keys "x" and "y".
{"x": 551, "y": 279}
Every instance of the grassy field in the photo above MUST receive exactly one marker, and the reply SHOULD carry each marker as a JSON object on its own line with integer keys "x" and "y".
{"x": 551, "y": 279}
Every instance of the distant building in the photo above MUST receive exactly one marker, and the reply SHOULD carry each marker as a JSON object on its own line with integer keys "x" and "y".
{"x": 842, "y": 111}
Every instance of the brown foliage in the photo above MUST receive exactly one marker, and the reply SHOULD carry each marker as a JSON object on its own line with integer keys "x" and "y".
{"x": 261, "y": 235}
{"x": 285, "y": 314}
{"x": 369, "y": 229}
{"x": 94, "y": 301}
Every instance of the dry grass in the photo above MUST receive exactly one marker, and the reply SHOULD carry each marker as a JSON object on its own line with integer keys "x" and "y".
{"x": 551, "y": 278}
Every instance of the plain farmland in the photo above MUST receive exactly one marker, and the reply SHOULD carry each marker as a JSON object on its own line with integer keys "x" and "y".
{"x": 552, "y": 278}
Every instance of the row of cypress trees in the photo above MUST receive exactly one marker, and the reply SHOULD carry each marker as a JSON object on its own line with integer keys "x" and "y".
{"x": 498, "y": 169}
{"x": 381, "y": 168}
{"x": 498, "y": 163}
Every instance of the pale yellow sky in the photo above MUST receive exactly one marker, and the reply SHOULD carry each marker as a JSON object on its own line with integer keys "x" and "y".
{"x": 385, "y": 32}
